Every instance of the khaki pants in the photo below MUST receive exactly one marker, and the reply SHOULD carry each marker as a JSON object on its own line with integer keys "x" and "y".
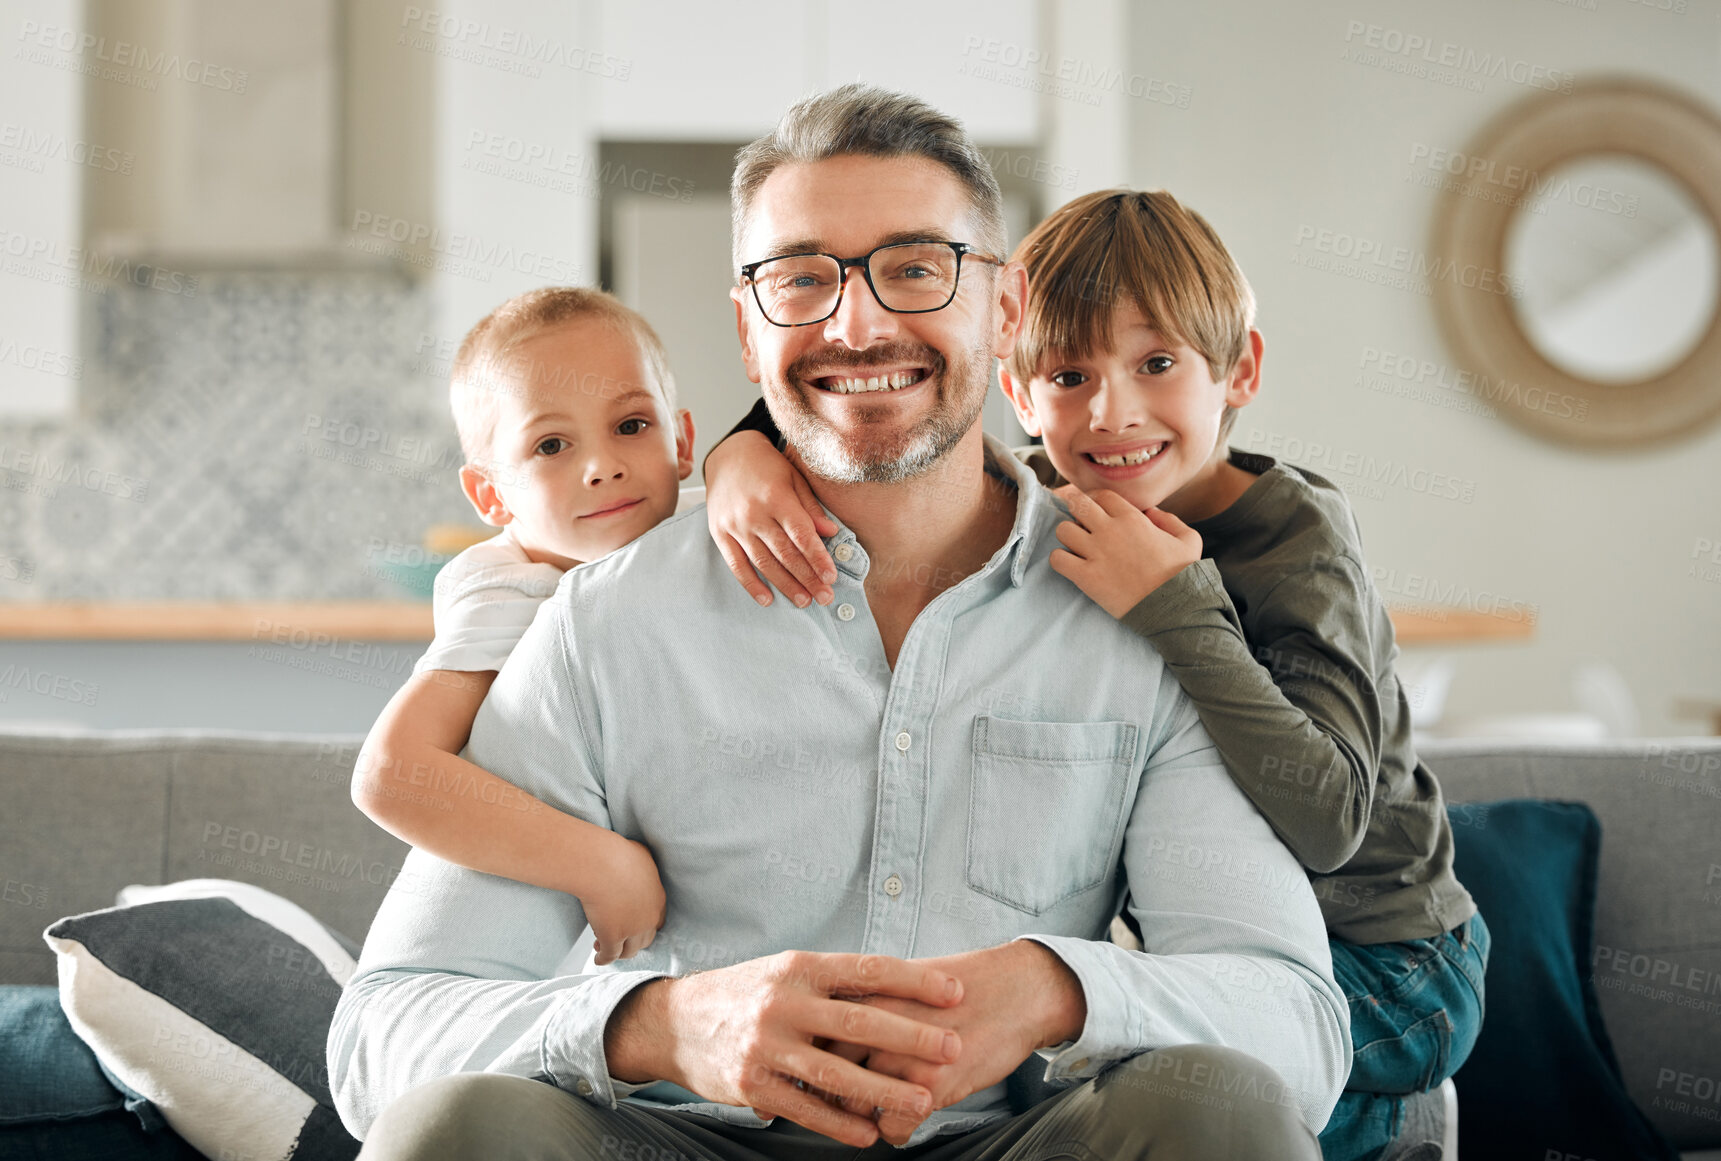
{"x": 1177, "y": 1104}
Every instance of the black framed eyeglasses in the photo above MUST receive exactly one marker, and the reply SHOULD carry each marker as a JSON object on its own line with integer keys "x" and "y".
{"x": 798, "y": 290}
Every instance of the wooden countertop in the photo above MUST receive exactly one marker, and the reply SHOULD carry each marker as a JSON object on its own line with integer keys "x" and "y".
{"x": 274, "y": 621}
{"x": 1431, "y": 625}
{"x": 283, "y": 621}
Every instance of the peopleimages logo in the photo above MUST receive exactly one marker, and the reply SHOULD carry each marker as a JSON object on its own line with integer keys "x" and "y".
{"x": 132, "y": 59}
{"x": 1442, "y": 60}
{"x": 1536, "y": 188}
{"x": 1031, "y": 168}
{"x": 1071, "y": 78}
{"x": 499, "y": 46}
{"x": 44, "y": 684}
{"x": 1433, "y": 595}
{"x": 1705, "y": 559}
{"x": 1369, "y": 469}
{"x": 1407, "y": 375}
{"x": 1366, "y": 255}
{"x": 37, "y": 144}
{"x": 50, "y": 261}
{"x": 359, "y": 437}
{"x": 556, "y": 168}
{"x": 33, "y": 358}
{"x": 466, "y": 255}
{"x": 27, "y": 463}
{"x": 267, "y": 848}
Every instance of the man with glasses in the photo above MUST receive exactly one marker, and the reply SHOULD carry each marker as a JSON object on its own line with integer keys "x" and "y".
{"x": 905, "y": 277}
{"x": 893, "y": 830}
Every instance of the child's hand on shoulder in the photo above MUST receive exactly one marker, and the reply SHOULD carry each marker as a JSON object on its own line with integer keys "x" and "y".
{"x": 1118, "y": 554}
{"x": 764, "y": 516}
{"x": 626, "y": 914}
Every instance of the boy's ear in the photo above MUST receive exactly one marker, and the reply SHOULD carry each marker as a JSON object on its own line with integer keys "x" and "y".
{"x": 1017, "y": 394}
{"x": 749, "y": 357}
{"x": 486, "y": 500}
{"x": 684, "y": 443}
{"x": 1244, "y": 382}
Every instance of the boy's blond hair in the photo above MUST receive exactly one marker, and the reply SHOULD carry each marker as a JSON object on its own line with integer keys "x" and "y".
{"x": 1130, "y": 246}
{"x": 482, "y": 367}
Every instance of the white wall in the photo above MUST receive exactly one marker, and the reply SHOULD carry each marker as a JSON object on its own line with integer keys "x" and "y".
{"x": 724, "y": 70}
{"x": 1284, "y": 134}
{"x": 42, "y": 151}
{"x": 672, "y": 265}
{"x": 524, "y": 84}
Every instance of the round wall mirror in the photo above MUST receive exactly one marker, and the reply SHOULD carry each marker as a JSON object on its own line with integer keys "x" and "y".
{"x": 1616, "y": 270}
{"x": 1601, "y": 209}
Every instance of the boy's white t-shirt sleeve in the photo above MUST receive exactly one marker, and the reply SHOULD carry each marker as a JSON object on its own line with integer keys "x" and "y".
{"x": 487, "y": 596}
{"x": 484, "y": 600}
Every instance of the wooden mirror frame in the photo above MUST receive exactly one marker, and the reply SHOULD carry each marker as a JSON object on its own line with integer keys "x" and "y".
{"x": 1652, "y": 123}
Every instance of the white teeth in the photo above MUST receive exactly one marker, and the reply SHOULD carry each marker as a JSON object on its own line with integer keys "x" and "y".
{"x": 1128, "y": 459}
{"x": 877, "y": 383}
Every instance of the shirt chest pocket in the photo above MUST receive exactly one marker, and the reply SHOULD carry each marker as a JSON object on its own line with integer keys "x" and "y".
{"x": 1046, "y": 808}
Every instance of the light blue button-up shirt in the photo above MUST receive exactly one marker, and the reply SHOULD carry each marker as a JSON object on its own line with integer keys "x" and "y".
{"x": 1026, "y": 763}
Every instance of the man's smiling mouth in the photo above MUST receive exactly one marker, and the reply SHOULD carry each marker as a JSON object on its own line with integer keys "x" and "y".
{"x": 856, "y": 385}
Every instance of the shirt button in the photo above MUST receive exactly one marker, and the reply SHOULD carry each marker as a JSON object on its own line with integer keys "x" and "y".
{"x": 583, "y": 1087}
{"x": 845, "y": 612}
{"x": 1079, "y": 1065}
{"x": 844, "y": 553}
{"x": 903, "y": 741}
{"x": 893, "y": 886}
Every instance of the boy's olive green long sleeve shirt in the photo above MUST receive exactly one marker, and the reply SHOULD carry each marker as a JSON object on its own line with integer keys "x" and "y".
{"x": 1285, "y": 647}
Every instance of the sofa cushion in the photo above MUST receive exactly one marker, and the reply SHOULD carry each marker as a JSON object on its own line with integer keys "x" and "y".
{"x": 84, "y": 822}
{"x": 101, "y": 809}
{"x": 1657, "y": 961}
{"x": 281, "y": 817}
{"x": 55, "y": 1100}
{"x": 1542, "y": 1080}
{"x": 213, "y": 1000}
{"x": 51, "y": 1075}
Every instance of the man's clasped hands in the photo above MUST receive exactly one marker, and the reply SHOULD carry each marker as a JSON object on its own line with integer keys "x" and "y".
{"x": 857, "y": 1047}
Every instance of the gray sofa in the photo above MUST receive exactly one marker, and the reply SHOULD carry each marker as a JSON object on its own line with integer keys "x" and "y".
{"x": 88, "y": 813}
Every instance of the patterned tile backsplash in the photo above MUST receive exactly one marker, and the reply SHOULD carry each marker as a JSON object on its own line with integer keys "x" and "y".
{"x": 274, "y": 436}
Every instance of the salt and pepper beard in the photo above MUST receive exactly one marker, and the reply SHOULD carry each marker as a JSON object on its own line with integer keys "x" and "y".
{"x": 830, "y": 455}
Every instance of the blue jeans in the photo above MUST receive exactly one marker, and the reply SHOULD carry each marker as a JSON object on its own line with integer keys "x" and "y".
{"x": 1416, "y": 1008}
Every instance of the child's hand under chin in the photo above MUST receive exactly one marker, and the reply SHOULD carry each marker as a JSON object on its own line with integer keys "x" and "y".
{"x": 1117, "y": 554}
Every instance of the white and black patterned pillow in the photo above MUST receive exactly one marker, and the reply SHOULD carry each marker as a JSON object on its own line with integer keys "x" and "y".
{"x": 213, "y": 999}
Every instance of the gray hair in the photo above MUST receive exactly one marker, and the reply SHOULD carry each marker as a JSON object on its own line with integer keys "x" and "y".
{"x": 872, "y": 122}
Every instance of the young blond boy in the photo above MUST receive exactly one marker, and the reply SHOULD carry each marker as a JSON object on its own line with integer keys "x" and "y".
{"x": 574, "y": 446}
{"x": 1247, "y": 575}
